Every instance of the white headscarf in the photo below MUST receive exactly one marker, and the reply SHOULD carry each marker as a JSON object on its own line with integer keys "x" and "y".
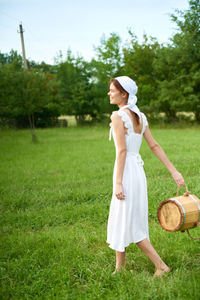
{"x": 130, "y": 87}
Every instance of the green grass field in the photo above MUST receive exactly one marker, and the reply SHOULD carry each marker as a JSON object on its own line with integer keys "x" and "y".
{"x": 55, "y": 198}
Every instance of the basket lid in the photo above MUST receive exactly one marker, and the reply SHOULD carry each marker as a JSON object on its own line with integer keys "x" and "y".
{"x": 170, "y": 215}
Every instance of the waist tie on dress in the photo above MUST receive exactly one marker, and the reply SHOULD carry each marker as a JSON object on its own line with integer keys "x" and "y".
{"x": 136, "y": 156}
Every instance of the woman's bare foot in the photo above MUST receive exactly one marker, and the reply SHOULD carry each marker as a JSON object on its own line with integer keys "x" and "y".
{"x": 113, "y": 273}
{"x": 122, "y": 268}
{"x": 160, "y": 272}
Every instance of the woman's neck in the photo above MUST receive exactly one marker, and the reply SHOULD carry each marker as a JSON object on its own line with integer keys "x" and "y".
{"x": 121, "y": 105}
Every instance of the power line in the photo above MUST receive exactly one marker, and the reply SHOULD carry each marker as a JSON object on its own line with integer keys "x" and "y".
{"x": 37, "y": 40}
{"x": 7, "y": 26}
{"x": 11, "y": 17}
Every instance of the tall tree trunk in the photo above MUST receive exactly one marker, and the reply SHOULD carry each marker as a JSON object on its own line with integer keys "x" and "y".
{"x": 80, "y": 119}
{"x": 197, "y": 115}
{"x": 32, "y": 128}
{"x": 171, "y": 115}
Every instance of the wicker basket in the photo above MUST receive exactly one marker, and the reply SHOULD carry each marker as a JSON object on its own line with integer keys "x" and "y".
{"x": 179, "y": 213}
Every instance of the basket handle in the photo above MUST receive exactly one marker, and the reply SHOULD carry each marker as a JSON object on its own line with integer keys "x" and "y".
{"x": 186, "y": 190}
{"x": 194, "y": 238}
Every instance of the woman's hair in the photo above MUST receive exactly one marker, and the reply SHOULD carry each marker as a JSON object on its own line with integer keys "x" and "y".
{"x": 122, "y": 90}
{"x": 118, "y": 86}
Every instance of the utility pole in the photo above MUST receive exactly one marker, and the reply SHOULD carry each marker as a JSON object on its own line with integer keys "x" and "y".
{"x": 23, "y": 48}
{"x": 30, "y": 115}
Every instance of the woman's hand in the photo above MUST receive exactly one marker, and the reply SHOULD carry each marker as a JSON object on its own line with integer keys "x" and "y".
{"x": 178, "y": 178}
{"x": 119, "y": 193}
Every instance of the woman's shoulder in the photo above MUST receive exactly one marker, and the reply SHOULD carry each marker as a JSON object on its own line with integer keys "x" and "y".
{"x": 119, "y": 116}
{"x": 114, "y": 115}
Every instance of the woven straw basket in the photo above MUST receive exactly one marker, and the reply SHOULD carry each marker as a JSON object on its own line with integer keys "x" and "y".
{"x": 180, "y": 213}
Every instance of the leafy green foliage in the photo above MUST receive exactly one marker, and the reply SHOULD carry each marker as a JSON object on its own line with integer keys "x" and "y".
{"x": 27, "y": 93}
{"x": 76, "y": 88}
{"x": 107, "y": 65}
{"x": 12, "y": 58}
{"x": 138, "y": 64}
{"x": 168, "y": 77}
{"x": 178, "y": 65}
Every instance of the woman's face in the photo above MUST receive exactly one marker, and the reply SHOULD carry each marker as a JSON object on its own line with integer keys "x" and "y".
{"x": 116, "y": 97}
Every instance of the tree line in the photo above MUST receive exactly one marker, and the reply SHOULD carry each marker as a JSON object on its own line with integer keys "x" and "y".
{"x": 167, "y": 75}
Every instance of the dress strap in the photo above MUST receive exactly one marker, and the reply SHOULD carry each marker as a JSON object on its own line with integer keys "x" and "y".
{"x": 128, "y": 106}
{"x": 134, "y": 108}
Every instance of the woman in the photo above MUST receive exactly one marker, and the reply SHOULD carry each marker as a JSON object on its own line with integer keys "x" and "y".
{"x": 128, "y": 216}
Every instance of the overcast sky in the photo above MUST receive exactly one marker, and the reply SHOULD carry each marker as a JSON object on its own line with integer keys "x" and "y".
{"x": 52, "y": 25}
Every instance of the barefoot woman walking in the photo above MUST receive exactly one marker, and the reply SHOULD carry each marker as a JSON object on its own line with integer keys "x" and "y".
{"x": 128, "y": 216}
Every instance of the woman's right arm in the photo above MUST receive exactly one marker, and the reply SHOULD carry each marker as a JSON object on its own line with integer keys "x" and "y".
{"x": 158, "y": 151}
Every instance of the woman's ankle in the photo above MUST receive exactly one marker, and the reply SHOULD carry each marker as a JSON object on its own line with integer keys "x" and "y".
{"x": 163, "y": 268}
{"x": 120, "y": 266}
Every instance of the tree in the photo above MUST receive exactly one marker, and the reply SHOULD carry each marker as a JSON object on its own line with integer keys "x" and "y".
{"x": 107, "y": 65}
{"x": 46, "y": 68}
{"x": 138, "y": 64}
{"x": 188, "y": 42}
{"x": 27, "y": 94}
{"x": 12, "y": 58}
{"x": 76, "y": 88}
{"x": 178, "y": 65}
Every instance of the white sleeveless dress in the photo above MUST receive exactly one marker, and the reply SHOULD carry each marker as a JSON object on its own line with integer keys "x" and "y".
{"x": 128, "y": 218}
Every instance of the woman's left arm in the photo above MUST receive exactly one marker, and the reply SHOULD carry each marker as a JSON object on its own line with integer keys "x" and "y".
{"x": 158, "y": 151}
{"x": 118, "y": 128}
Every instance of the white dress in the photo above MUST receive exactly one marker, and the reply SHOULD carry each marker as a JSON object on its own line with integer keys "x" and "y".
{"x": 128, "y": 218}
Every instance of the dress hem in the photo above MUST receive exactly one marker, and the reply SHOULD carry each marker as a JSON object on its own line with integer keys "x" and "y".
{"x": 120, "y": 249}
